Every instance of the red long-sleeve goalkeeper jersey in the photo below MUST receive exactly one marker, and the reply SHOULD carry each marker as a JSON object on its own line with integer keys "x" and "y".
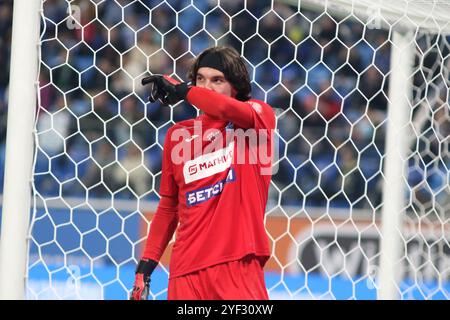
{"x": 220, "y": 179}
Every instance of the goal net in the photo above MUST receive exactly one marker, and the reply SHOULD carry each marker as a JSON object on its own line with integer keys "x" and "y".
{"x": 329, "y": 70}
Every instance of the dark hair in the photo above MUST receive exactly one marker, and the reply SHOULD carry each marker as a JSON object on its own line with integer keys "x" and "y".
{"x": 235, "y": 70}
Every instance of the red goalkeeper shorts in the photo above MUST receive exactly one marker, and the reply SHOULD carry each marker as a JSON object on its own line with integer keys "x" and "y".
{"x": 235, "y": 280}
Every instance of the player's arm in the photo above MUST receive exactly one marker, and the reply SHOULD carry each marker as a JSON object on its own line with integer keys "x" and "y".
{"x": 221, "y": 106}
{"x": 164, "y": 224}
{"x": 249, "y": 114}
{"x": 170, "y": 91}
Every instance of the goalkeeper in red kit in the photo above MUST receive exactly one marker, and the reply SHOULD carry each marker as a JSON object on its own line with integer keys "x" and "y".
{"x": 215, "y": 203}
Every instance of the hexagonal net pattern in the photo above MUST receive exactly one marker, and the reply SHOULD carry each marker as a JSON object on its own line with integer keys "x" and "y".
{"x": 99, "y": 144}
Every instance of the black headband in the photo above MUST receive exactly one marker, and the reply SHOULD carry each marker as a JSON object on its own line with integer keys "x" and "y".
{"x": 212, "y": 60}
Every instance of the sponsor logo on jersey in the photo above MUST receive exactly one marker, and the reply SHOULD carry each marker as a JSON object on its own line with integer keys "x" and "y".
{"x": 208, "y": 164}
{"x": 201, "y": 195}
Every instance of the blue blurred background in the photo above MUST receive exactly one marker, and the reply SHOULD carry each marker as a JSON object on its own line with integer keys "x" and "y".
{"x": 107, "y": 105}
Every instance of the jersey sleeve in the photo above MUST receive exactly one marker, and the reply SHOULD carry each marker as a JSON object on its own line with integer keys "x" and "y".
{"x": 249, "y": 114}
{"x": 163, "y": 226}
{"x": 165, "y": 221}
{"x": 263, "y": 114}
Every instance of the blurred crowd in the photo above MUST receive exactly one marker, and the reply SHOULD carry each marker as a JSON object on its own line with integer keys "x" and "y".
{"x": 326, "y": 79}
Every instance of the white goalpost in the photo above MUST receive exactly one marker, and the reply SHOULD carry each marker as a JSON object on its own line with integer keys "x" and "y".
{"x": 19, "y": 149}
{"x": 360, "y": 205}
{"x": 400, "y": 90}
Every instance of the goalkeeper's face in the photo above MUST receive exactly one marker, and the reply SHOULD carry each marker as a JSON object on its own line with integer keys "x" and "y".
{"x": 214, "y": 80}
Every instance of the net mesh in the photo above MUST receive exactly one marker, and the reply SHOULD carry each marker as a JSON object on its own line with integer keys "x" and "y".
{"x": 99, "y": 144}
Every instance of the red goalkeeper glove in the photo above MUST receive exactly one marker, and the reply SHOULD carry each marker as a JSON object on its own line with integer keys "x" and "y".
{"x": 166, "y": 89}
{"x": 141, "y": 286}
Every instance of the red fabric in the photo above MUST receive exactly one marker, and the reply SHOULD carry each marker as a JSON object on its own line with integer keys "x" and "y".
{"x": 223, "y": 107}
{"x": 163, "y": 226}
{"x": 219, "y": 219}
{"x": 235, "y": 280}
